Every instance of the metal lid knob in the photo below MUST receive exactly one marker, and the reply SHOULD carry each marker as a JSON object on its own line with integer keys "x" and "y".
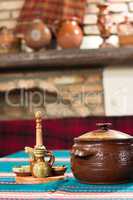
{"x": 104, "y": 126}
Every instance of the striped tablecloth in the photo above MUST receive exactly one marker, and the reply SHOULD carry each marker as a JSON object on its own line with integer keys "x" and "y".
{"x": 69, "y": 188}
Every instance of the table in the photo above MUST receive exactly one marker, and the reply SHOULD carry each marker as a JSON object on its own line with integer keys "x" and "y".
{"x": 69, "y": 188}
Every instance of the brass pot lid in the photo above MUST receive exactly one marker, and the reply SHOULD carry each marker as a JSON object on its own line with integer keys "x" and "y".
{"x": 103, "y": 133}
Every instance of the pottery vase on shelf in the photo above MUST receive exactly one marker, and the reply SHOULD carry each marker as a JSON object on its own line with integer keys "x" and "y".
{"x": 104, "y": 24}
{"x": 69, "y": 34}
{"x": 7, "y": 40}
{"x": 125, "y": 32}
{"x": 37, "y": 35}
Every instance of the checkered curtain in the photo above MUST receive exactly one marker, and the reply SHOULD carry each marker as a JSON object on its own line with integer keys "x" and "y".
{"x": 50, "y": 11}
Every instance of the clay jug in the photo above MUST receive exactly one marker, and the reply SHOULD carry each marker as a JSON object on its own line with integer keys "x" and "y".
{"x": 7, "y": 38}
{"x": 37, "y": 35}
{"x": 69, "y": 34}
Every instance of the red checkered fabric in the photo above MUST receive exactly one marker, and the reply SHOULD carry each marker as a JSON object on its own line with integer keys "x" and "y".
{"x": 58, "y": 133}
{"x": 50, "y": 11}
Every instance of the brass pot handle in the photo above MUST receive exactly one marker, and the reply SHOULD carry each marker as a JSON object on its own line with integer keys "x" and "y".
{"x": 52, "y": 158}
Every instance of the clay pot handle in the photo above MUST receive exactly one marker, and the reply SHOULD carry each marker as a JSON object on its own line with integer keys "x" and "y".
{"x": 83, "y": 153}
{"x": 52, "y": 158}
{"x": 104, "y": 126}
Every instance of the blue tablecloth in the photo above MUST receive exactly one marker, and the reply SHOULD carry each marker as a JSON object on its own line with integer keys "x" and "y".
{"x": 69, "y": 188}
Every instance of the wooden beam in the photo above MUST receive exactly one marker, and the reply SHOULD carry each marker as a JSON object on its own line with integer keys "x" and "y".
{"x": 72, "y": 58}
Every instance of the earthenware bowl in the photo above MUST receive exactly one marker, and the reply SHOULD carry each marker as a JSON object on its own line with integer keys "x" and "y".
{"x": 58, "y": 170}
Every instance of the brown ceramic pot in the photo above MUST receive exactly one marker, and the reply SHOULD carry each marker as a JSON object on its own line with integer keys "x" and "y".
{"x": 7, "y": 38}
{"x": 103, "y": 156}
{"x": 69, "y": 34}
{"x": 37, "y": 35}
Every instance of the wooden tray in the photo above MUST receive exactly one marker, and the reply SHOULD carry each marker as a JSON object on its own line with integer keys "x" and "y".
{"x": 33, "y": 180}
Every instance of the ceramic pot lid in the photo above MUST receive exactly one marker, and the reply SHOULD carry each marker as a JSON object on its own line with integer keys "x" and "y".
{"x": 103, "y": 133}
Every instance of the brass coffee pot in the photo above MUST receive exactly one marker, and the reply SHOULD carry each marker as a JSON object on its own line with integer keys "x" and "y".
{"x": 40, "y": 166}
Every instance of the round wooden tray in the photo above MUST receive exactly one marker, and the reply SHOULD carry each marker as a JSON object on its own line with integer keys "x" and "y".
{"x": 33, "y": 180}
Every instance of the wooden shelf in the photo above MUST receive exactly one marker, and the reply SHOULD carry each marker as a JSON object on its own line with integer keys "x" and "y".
{"x": 60, "y": 59}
